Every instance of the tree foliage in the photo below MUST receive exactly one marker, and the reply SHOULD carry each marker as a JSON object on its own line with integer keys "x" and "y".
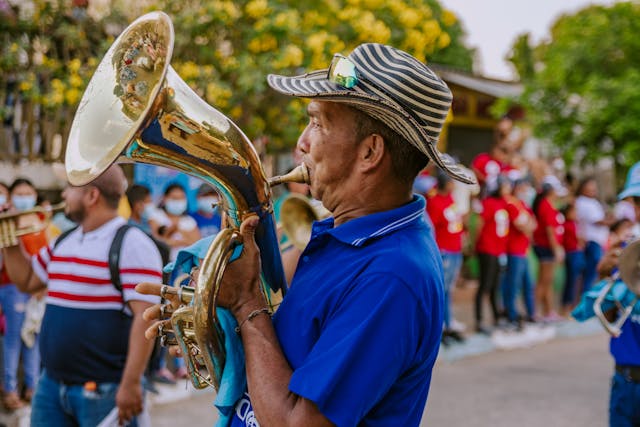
{"x": 224, "y": 49}
{"x": 583, "y": 93}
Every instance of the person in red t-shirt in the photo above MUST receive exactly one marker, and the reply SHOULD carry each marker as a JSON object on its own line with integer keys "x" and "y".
{"x": 491, "y": 247}
{"x": 547, "y": 244}
{"x": 574, "y": 258}
{"x": 522, "y": 222}
{"x": 447, "y": 224}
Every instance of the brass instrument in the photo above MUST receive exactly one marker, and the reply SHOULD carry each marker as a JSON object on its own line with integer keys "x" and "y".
{"x": 297, "y": 214}
{"x": 136, "y": 108}
{"x": 9, "y": 230}
{"x": 629, "y": 273}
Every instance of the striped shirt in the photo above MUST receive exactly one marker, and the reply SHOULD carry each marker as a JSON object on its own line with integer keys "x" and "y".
{"x": 77, "y": 274}
{"x": 85, "y": 329}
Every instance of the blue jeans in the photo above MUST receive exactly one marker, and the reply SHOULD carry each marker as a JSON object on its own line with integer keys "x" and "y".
{"x": 624, "y": 406}
{"x": 13, "y": 304}
{"x": 517, "y": 277}
{"x": 574, "y": 265}
{"x": 592, "y": 255}
{"x": 59, "y": 405}
{"x": 451, "y": 264}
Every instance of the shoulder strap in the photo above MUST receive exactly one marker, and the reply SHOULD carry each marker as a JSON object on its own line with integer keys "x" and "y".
{"x": 63, "y": 236}
{"x": 114, "y": 257}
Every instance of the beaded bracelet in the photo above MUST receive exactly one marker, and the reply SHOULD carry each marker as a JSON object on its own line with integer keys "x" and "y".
{"x": 251, "y": 316}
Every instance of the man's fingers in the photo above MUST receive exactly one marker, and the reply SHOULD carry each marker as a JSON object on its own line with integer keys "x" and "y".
{"x": 149, "y": 288}
{"x": 154, "y": 330}
{"x": 152, "y": 313}
{"x": 248, "y": 227}
{"x": 169, "y": 293}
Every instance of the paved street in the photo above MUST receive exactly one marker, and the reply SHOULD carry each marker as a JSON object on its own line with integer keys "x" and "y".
{"x": 559, "y": 383}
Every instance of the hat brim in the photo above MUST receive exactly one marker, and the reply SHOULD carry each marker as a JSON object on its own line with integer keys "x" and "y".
{"x": 316, "y": 85}
{"x": 633, "y": 190}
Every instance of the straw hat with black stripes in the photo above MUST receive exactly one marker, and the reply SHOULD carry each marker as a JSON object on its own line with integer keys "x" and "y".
{"x": 389, "y": 85}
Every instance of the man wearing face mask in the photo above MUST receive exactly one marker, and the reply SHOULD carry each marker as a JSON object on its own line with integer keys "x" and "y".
{"x": 207, "y": 216}
{"x": 139, "y": 198}
{"x": 173, "y": 225}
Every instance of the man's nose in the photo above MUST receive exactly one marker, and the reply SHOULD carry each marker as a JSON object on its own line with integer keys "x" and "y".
{"x": 303, "y": 142}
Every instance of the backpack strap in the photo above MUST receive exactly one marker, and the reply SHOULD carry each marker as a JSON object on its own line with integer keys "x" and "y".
{"x": 114, "y": 257}
{"x": 63, "y": 236}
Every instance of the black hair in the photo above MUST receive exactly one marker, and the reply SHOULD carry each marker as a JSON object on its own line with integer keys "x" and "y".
{"x": 544, "y": 192}
{"x": 583, "y": 183}
{"x": 172, "y": 186}
{"x": 619, "y": 223}
{"x": 20, "y": 181}
{"x": 137, "y": 193}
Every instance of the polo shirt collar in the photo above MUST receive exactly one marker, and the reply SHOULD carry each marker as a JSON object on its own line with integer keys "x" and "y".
{"x": 104, "y": 231}
{"x": 358, "y": 231}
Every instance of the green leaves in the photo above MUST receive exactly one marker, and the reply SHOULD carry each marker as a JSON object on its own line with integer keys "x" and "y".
{"x": 582, "y": 86}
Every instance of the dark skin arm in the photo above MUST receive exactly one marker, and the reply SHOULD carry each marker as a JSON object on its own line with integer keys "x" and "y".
{"x": 268, "y": 372}
{"x": 18, "y": 265}
{"x": 605, "y": 269}
{"x": 129, "y": 395}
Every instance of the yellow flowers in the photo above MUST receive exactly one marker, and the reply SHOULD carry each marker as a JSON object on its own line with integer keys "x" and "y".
{"x": 257, "y": 8}
{"x": 218, "y": 95}
{"x": 74, "y": 65}
{"x": 25, "y": 86}
{"x": 264, "y": 43}
{"x": 448, "y": 18}
{"x": 72, "y": 96}
{"x": 75, "y": 81}
{"x": 188, "y": 71}
{"x": 291, "y": 57}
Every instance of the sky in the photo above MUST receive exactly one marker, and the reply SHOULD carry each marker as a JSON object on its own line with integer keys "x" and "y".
{"x": 493, "y": 25}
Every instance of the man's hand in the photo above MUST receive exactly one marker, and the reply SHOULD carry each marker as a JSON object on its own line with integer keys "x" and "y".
{"x": 128, "y": 401}
{"x": 609, "y": 260}
{"x": 240, "y": 290}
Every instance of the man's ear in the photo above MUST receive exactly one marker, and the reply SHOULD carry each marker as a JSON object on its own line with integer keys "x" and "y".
{"x": 371, "y": 152}
{"x": 92, "y": 195}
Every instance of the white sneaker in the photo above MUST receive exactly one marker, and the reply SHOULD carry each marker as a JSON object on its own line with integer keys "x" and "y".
{"x": 457, "y": 326}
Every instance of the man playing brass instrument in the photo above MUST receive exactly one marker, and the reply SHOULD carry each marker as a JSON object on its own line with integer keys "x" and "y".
{"x": 92, "y": 345}
{"x": 356, "y": 337}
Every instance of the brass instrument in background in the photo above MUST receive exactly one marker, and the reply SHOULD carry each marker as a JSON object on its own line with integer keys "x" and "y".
{"x": 629, "y": 273}
{"x": 9, "y": 231}
{"x": 297, "y": 214}
{"x": 136, "y": 108}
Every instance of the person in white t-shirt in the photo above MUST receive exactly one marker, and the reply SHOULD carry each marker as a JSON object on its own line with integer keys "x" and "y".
{"x": 593, "y": 228}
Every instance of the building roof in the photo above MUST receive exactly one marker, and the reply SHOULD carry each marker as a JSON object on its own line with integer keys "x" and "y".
{"x": 492, "y": 87}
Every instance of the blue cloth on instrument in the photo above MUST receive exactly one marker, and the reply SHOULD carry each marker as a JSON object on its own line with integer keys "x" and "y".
{"x": 234, "y": 378}
{"x": 618, "y": 293}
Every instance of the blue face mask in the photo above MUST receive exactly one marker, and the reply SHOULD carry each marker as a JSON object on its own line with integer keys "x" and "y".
{"x": 23, "y": 203}
{"x": 147, "y": 212}
{"x": 3, "y": 199}
{"x": 175, "y": 207}
{"x": 207, "y": 204}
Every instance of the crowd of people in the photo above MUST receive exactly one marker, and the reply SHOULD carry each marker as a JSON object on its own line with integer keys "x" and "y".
{"x": 519, "y": 209}
{"x": 169, "y": 222}
{"x": 317, "y": 360}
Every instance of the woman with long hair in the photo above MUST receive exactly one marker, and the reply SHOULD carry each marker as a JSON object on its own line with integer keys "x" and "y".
{"x": 22, "y": 197}
{"x": 547, "y": 244}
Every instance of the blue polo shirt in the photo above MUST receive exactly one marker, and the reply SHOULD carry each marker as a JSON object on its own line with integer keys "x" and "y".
{"x": 626, "y": 348}
{"x": 361, "y": 324}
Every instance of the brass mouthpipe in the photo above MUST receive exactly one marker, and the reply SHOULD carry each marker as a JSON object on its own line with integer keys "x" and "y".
{"x": 300, "y": 175}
